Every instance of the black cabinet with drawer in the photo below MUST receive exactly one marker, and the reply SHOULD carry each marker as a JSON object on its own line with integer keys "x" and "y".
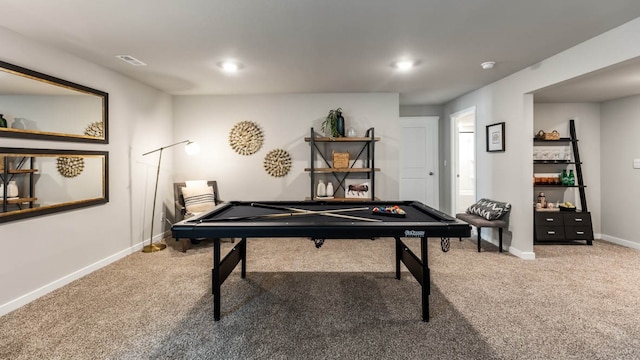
{"x": 563, "y": 226}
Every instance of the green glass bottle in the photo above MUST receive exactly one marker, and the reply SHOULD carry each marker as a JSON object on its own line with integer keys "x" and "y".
{"x": 572, "y": 180}
{"x": 564, "y": 178}
{"x": 3, "y": 121}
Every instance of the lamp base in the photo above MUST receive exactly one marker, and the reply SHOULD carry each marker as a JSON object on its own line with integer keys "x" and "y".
{"x": 153, "y": 248}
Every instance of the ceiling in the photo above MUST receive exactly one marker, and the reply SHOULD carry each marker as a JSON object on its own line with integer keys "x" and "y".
{"x": 311, "y": 46}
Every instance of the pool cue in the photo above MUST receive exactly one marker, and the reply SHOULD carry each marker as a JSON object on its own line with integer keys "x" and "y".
{"x": 281, "y": 215}
{"x": 331, "y": 213}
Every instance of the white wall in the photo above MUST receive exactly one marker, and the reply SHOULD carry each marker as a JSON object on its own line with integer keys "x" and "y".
{"x": 43, "y": 253}
{"x": 620, "y": 181}
{"x": 556, "y": 116}
{"x": 285, "y": 120}
{"x": 507, "y": 176}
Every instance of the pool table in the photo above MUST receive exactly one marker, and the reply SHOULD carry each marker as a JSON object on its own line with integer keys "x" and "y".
{"x": 320, "y": 220}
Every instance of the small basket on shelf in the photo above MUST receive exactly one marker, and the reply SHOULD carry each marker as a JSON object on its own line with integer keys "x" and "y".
{"x": 340, "y": 160}
{"x": 554, "y": 135}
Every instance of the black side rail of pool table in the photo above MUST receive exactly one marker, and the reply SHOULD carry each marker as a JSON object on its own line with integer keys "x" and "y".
{"x": 418, "y": 267}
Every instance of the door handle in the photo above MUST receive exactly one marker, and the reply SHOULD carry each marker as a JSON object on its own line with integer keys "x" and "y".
{"x": 431, "y": 173}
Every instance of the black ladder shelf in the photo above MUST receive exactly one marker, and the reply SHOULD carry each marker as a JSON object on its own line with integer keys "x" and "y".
{"x": 564, "y": 226}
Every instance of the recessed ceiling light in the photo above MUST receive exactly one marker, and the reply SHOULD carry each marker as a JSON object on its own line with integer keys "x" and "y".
{"x": 131, "y": 60}
{"x": 404, "y": 65}
{"x": 488, "y": 65}
{"x": 229, "y": 66}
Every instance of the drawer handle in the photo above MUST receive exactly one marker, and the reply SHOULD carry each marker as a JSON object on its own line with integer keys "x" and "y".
{"x": 580, "y": 232}
{"x": 549, "y": 219}
{"x": 551, "y": 232}
{"x": 578, "y": 220}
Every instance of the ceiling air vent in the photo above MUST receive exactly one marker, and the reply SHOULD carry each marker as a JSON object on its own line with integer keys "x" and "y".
{"x": 131, "y": 60}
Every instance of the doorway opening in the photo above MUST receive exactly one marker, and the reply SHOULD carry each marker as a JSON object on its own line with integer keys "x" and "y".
{"x": 463, "y": 167}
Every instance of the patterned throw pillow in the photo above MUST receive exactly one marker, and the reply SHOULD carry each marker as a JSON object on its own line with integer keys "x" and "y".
{"x": 489, "y": 209}
{"x": 198, "y": 199}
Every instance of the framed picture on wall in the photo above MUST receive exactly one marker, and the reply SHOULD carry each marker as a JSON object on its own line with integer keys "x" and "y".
{"x": 357, "y": 188}
{"x": 495, "y": 137}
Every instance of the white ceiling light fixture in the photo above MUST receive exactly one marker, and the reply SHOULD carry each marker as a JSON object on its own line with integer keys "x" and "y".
{"x": 229, "y": 66}
{"x": 488, "y": 65}
{"x": 404, "y": 65}
{"x": 131, "y": 60}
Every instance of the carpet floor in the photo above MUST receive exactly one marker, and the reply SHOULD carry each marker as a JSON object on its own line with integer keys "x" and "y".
{"x": 341, "y": 301}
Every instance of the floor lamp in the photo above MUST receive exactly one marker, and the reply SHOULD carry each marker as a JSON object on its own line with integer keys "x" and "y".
{"x": 191, "y": 148}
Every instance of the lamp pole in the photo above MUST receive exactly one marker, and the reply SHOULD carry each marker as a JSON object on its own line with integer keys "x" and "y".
{"x": 157, "y": 247}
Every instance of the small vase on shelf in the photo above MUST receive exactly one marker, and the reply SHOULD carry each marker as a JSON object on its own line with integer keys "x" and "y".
{"x": 329, "y": 189}
{"x": 340, "y": 123}
{"x": 12, "y": 189}
{"x": 322, "y": 189}
{"x": 571, "y": 180}
{"x": 3, "y": 121}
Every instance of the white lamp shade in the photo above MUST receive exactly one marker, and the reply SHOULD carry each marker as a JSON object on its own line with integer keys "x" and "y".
{"x": 192, "y": 148}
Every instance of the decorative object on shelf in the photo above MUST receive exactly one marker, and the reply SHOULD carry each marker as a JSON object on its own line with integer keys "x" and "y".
{"x": 542, "y": 200}
{"x": 3, "y": 121}
{"x": 564, "y": 177}
{"x": 191, "y": 148}
{"x": 245, "y": 138}
{"x": 351, "y": 132}
{"x": 340, "y": 160}
{"x": 340, "y": 124}
{"x": 18, "y": 123}
{"x": 357, "y": 188}
{"x": 554, "y": 135}
{"x": 70, "y": 166}
{"x": 321, "y": 189}
{"x": 277, "y": 162}
{"x": 95, "y": 129}
{"x": 495, "y": 137}
{"x": 329, "y": 189}
{"x": 12, "y": 189}
{"x": 331, "y": 124}
{"x": 1, "y": 163}
{"x": 571, "y": 179}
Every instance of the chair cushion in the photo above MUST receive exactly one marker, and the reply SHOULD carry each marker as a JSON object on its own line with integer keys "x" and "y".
{"x": 478, "y": 221}
{"x": 489, "y": 209}
{"x": 198, "y": 198}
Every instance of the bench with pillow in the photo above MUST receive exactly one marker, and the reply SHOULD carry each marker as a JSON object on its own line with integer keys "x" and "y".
{"x": 486, "y": 213}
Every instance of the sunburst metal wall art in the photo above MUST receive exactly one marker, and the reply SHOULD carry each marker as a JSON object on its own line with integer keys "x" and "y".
{"x": 277, "y": 163}
{"x": 245, "y": 138}
{"x": 95, "y": 129}
{"x": 70, "y": 166}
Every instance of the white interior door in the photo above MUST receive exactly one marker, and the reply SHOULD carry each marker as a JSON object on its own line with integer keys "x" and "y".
{"x": 464, "y": 159}
{"x": 419, "y": 178}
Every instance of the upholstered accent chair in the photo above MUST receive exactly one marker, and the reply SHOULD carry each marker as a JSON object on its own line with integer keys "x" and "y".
{"x": 193, "y": 198}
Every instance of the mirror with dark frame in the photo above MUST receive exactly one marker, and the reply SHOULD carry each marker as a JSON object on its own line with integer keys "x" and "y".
{"x": 39, "y": 106}
{"x": 36, "y": 182}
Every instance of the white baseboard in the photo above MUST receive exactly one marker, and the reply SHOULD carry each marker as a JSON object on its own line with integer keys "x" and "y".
{"x": 621, "y": 242}
{"x": 33, "y": 295}
{"x": 528, "y": 255}
{"x": 515, "y": 252}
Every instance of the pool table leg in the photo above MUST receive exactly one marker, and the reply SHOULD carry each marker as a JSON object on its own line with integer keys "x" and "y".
{"x": 418, "y": 267}
{"x": 398, "y": 257}
{"x": 426, "y": 278}
{"x": 243, "y": 257}
{"x": 216, "y": 281}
